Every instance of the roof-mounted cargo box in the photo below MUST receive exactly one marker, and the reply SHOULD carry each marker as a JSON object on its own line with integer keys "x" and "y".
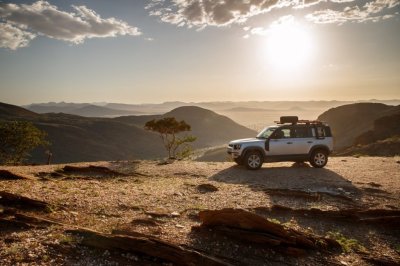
{"x": 288, "y": 119}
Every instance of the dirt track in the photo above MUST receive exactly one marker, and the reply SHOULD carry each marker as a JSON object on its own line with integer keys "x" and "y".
{"x": 145, "y": 198}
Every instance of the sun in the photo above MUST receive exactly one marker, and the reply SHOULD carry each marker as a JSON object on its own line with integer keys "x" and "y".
{"x": 289, "y": 46}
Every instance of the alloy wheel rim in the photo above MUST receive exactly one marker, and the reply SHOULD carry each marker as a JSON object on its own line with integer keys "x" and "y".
{"x": 319, "y": 159}
{"x": 254, "y": 161}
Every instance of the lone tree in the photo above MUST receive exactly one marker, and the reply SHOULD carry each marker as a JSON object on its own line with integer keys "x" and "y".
{"x": 17, "y": 139}
{"x": 168, "y": 129}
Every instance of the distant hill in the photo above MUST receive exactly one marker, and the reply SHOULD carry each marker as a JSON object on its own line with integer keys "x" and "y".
{"x": 384, "y": 127}
{"x": 100, "y": 111}
{"x": 8, "y": 111}
{"x": 382, "y": 140}
{"x": 247, "y": 109}
{"x": 210, "y": 128}
{"x": 84, "y": 109}
{"x": 386, "y": 147}
{"x": 62, "y": 107}
{"x": 137, "y": 120}
{"x": 76, "y": 138}
{"x": 350, "y": 121}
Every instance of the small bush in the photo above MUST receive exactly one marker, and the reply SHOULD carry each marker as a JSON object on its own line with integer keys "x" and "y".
{"x": 347, "y": 244}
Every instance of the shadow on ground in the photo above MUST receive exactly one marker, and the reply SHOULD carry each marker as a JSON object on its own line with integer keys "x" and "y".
{"x": 293, "y": 177}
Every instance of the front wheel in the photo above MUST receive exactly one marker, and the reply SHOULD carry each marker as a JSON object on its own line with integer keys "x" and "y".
{"x": 319, "y": 158}
{"x": 253, "y": 160}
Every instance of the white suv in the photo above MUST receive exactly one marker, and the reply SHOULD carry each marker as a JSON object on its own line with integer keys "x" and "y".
{"x": 290, "y": 139}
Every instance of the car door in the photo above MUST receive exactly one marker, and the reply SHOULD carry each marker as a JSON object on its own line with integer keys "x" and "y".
{"x": 281, "y": 142}
{"x": 303, "y": 139}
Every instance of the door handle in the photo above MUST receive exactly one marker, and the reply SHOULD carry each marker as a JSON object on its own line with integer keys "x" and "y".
{"x": 310, "y": 141}
{"x": 289, "y": 142}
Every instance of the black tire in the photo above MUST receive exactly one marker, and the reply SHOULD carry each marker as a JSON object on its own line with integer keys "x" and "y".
{"x": 319, "y": 158}
{"x": 253, "y": 160}
{"x": 238, "y": 161}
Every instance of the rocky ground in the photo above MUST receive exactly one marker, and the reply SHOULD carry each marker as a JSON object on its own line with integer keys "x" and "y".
{"x": 354, "y": 201}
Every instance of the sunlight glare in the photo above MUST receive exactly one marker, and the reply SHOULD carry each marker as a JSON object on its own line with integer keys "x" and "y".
{"x": 289, "y": 46}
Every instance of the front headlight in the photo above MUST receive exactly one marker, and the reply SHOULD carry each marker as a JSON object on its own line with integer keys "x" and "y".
{"x": 237, "y": 146}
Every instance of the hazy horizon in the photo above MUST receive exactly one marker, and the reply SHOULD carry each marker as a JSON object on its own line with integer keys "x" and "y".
{"x": 200, "y": 102}
{"x": 198, "y": 51}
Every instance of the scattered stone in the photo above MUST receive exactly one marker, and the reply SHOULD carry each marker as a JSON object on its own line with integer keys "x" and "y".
{"x": 381, "y": 260}
{"x": 145, "y": 222}
{"x": 175, "y": 214}
{"x": 182, "y": 173}
{"x": 166, "y": 162}
{"x": 293, "y": 193}
{"x": 158, "y": 213}
{"x": 375, "y": 190}
{"x": 205, "y": 188}
{"x": 311, "y": 195}
{"x": 373, "y": 184}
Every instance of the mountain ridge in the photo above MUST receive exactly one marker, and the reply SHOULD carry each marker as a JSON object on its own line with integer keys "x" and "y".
{"x": 349, "y": 121}
{"x": 76, "y": 138}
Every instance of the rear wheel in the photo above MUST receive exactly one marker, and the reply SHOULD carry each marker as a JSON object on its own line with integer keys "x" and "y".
{"x": 253, "y": 160}
{"x": 319, "y": 158}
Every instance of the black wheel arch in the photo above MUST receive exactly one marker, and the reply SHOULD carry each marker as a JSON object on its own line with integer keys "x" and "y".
{"x": 257, "y": 149}
{"x": 320, "y": 147}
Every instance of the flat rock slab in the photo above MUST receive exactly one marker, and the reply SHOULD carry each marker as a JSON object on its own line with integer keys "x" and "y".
{"x": 148, "y": 245}
{"x": 90, "y": 170}
{"x": 205, "y": 188}
{"x": 250, "y": 227}
{"x": 20, "y": 202}
{"x": 7, "y": 175}
{"x": 368, "y": 216}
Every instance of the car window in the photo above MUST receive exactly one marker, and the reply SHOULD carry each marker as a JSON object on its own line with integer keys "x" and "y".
{"x": 321, "y": 132}
{"x": 301, "y": 132}
{"x": 266, "y": 132}
{"x": 282, "y": 133}
{"x": 287, "y": 132}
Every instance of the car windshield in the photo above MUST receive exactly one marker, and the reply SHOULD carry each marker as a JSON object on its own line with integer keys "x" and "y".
{"x": 266, "y": 132}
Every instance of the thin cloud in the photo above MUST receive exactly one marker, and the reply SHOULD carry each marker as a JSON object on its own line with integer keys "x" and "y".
{"x": 21, "y": 23}
{"x": 12, "y": 37}
{"x": 204, "y": 13}
{"x": 371, "y": 11}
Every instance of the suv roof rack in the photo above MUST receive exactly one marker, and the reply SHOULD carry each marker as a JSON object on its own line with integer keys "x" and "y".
{"x": 295, "y": 120}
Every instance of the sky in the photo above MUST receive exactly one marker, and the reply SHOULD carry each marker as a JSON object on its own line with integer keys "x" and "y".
{"x": 152, "y": 51}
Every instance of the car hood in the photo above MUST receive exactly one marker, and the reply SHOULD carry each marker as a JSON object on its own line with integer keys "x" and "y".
{"x": 237, "y": 141}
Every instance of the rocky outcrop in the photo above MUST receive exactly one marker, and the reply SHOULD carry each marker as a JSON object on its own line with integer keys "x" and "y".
{"x": 252, "y": 228}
